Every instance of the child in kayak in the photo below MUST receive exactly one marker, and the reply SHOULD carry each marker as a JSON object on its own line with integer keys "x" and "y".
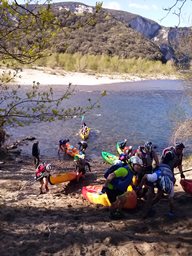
{"x": 41, "y": 174}
{"x": 84, "y": 129}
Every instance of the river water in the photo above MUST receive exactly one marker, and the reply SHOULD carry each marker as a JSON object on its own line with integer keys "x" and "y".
{"x": 139, "y": 111}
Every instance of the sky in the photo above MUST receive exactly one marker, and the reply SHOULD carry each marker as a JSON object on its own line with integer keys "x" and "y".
{"x": 151, "y": 9}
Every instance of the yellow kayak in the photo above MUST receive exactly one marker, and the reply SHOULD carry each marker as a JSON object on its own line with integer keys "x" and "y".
{"x": 84, "y": 135}
{"x": 62, "y": 177}
{"x": 91, "y": 193}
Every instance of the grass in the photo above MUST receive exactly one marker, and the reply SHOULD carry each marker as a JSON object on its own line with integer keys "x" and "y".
{"x": 106, "y": 65}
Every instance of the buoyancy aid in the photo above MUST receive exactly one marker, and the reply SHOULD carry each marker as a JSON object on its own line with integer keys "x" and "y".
{"x": 121, "y": 183}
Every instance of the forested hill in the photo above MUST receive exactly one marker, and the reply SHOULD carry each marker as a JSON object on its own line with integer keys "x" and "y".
{"x": 121, "y": 33}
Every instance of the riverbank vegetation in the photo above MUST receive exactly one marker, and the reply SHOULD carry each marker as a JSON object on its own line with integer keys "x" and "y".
{"x": 106, "y": 64}
{"x": 101, "y": 64}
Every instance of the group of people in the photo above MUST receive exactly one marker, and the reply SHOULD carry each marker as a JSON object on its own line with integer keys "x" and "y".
{"x": 42, "y": 169}
{"x": 143, "y": 163}
{"x": 150, "y": 172}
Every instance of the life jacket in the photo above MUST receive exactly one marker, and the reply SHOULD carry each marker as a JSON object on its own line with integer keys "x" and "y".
{"x": 40, "y": 170}
{"x": 113, "y": 168}
{"x": 121, "y": 183}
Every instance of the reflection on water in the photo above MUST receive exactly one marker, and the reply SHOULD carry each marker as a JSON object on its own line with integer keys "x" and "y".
{"x": 139, "y": 111}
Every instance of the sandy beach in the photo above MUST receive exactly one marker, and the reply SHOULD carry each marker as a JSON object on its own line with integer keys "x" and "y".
{"x": 61, "y": 222}
{"x": 47, "y": 76}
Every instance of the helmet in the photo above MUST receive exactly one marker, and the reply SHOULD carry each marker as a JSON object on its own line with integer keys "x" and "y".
{"x": 166, "y": 184}
{"x": 179, "y": 146}
{"x": 123, "y": 157}
{"x": 127, "y": 149}
{"x": 48, "y": 167}
{"x": 148, "y": 146}
{"x": 136, "y": 160}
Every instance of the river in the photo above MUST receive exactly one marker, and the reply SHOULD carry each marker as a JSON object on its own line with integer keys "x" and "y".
{"x": 139, "y": 111}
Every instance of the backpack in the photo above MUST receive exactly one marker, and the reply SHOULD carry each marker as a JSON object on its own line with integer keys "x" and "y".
{"x": 165, "y": 178}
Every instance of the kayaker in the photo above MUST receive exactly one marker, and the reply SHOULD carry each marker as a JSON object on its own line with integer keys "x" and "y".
{"x": 36, "y": 153}
{"x": 122, "y": 144}
{"x": 82, "y": 146}
{"x": 149, "y": 157}
{"x": 173, "y": 156}
{"x": 41, "y": 174}
{"x": 163, "y": 180}
{"x": 123, "y": 161}
{"x": 117, "y": 183}
{"x": 84, "y": 128}
{"x": 62, "y": 144}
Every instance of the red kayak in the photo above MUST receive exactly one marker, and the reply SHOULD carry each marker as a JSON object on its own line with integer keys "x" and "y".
{"x": 186, "y": 185}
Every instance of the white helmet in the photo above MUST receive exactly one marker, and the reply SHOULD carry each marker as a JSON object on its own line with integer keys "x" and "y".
{"x": 48, "y": 167}
{"x": 136, "y": 160}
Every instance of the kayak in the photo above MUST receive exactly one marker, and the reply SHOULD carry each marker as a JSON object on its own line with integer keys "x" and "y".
{"x": 125, "y": 150}
{"x": 186, "y": 185}
{"x": 84, "y": 136}
{"x": 62, "y": 177}
{"x": 110, "y": 158}
{"x": 91, "y": 193}
{"x": 72, "y": 151}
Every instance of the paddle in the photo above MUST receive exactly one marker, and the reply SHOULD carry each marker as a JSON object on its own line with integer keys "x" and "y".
{"x": 187, "y": 170}
{"x": 82, "y": 119}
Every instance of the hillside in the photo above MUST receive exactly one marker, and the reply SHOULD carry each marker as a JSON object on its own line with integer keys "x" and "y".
{"x": 102, "y": 34}
{"x": 120, "y": 33}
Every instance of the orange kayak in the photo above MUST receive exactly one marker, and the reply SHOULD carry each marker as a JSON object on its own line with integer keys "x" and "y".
{"x": 91, "y": 193}
{"x": 72, "y": 151}
{"x": 62, "y": 177}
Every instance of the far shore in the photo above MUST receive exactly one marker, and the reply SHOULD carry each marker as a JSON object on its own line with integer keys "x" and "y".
{"x": 47, "y": 76}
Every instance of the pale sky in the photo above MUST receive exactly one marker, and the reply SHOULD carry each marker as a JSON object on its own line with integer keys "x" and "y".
{"x": 151, "y": 9}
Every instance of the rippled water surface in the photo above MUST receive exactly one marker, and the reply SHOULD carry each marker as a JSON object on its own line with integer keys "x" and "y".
{"x": 138, "y": 111}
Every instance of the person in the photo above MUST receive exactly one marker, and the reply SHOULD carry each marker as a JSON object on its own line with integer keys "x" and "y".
{"x": 163, "y": 180}
{"x": 173, "y": 157}
{"x": 36, "y": 153}
{"x": 62, "y": 144}
{"x": 41, "y": 174}
{"x": 82, "y": 165}
{"x": 117, "y": 182}
{"x": 122, "y": 144}
{"x": 84, "y": 128}
{"x": 82, "y": 146}
{"x": 148, "y": 156}
{"x": 122, "y": 161}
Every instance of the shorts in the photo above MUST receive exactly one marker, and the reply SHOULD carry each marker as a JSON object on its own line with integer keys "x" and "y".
{"x": 112, "y": 194}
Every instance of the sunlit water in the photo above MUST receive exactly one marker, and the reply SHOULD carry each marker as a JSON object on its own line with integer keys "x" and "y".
{"x": 139, "y": 111}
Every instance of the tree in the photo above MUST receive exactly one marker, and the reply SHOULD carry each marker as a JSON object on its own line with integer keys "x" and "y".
{"x": 176, "y": 8}
{"x": 25, "y": 33}
{"x": 183, "y": 129}
{"x": 25, "y": 30}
